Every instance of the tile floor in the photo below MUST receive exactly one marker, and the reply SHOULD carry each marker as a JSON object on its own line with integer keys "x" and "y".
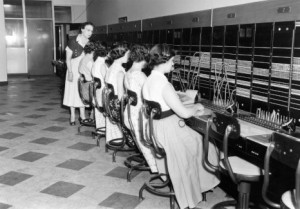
{"x": 46, "y": 164}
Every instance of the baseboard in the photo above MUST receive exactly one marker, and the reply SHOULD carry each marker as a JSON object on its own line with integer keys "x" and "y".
{"x": 3, "y": 83}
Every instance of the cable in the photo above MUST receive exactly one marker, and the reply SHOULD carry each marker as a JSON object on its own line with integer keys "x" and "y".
{"x": 85, "y": 10}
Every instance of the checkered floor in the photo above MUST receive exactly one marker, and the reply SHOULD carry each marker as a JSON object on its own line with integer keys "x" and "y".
{"x": 46, "y": 164}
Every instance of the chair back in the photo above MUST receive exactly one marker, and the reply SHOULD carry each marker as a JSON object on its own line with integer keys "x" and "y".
{"x": 223, "y": 128}
{"x": 96, "y": 87}
{"x": 131, "y": 101}
{"x": 112, "y": 104}
{"x": 285, "y": 149}
{"x": 152, "y": 110}
{"x": 85, "y": 89}
{"x": 128, "y": 133}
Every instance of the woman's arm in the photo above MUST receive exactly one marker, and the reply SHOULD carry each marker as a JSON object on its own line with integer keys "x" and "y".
{"x": 103, "y": 70}
{"x": 120, "y": 85}
{"x": 173, "y": 101}
{"x": 69, "y": 53}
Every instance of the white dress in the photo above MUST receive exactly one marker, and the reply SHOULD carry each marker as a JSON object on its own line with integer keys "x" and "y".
{"x": 98, "y": 67}
{"x": 113, "y": 131}
{"x": 183, "y": 147}
{"x": 134, "y": 81}
{"x": 71, "y": 94}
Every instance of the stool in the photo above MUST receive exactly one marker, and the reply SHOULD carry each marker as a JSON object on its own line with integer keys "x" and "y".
{"x": 113, "y": 112}
{"x": 99, "y": 132}
{"x": 285, "y": 149}
{"x": 136, "y": 161}
{"x": 153, "y": 109}
{"x": 85, "y": 89}
{"x": 243, "y": 173}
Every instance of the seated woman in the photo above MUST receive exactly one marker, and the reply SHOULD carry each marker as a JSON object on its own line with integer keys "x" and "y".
{"x": 85, "y": 69}
{"x": 115, "y": 76}
{"x": 99, "y": 70}
{"x": 86, "y": 63}
{"x": 183, "y": 146}
{"x": 134, "y": 80}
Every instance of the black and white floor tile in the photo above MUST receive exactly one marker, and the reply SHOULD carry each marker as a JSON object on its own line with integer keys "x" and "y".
{"x": 46, "y": 164}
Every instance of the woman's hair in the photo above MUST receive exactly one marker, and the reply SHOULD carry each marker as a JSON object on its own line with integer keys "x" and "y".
{"x": 160, "y": 54}
{"x": 90, "y": 47}
{"x": 82, "y": 26}
{"x": 139, "y": 53}
{"x": 116, "y": 53}
{"x": 101, "y": 50}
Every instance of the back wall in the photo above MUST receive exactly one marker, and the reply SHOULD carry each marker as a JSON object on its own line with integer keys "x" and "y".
{"x": 103, "y": 12}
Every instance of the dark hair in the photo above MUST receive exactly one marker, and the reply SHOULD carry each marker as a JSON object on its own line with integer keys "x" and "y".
{"x": 90, "y": 47}
{"x": 101, "y": 50}
{"x": 116, "y": 53}
{"x": 139, "y": 53}
{"x": 159, "y": 54}
{"x": 82, "y": 26}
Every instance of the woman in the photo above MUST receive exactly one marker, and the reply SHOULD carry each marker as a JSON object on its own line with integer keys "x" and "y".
{"x": 99, "y": 70}
{"x": 85, "y": 70}
{"x": 183, "y": 146}
{"x": 134, "y": 80}
{"x": 86, "y": 63}
{"x": 74, "y": 53}
{"x": 115, "y": 76}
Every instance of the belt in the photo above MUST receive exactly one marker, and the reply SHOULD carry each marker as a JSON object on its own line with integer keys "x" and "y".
{"x": 164, "y": 114}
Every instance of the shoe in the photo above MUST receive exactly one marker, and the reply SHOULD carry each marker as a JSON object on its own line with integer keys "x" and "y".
{"x": 72, "y": 123}
{"x": 87, "y": 120}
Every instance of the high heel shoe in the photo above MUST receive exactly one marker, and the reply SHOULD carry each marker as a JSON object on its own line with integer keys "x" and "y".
{"x": 87, "y": 120}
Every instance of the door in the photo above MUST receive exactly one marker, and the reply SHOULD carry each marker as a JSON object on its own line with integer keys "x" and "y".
{"x": 40, "y": 47}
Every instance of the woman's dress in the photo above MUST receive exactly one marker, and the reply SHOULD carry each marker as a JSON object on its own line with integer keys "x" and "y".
{"x": 113, "y": 131}
{"x": 134, "y": 81}
{"x": 98, "y": 67}
{"x": 183, "y": 147}
{"x": 71, "y": 94}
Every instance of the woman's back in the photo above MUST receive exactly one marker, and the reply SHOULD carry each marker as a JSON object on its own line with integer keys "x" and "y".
{"x": 153, "y": 88}
{"x": 112, "y": 74}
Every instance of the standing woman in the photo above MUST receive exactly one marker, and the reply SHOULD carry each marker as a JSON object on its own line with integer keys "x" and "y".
{"x": 115, "y": 76}
{"x": 75, "y": 53}
{"x": 183, "y": 146}
{"x": 134, "y": 81}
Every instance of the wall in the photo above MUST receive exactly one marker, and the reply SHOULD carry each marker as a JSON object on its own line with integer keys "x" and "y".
{"x": 3, "y": 66}
{"x": 102, "y": 12}
{"x": 78, "y": 8}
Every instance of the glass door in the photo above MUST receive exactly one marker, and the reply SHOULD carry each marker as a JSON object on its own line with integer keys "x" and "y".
{"x": 15, "y": 44}
{"x": 40, "y": 47}
{"x": 40, "y": 40}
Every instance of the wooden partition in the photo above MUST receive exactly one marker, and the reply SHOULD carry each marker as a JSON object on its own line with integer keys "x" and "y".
{"x": 129, "y": 32}
{"x": 100, "y": 33}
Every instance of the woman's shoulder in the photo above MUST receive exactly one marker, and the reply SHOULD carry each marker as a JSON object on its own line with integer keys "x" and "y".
{"x": 72, "y": 40}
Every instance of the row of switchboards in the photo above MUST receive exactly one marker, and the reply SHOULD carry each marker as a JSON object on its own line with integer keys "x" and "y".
{"x": 255, "y": 64}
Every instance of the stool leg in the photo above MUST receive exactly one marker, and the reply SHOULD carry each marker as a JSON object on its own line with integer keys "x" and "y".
{"x": 204, "y": 197}
{"x": 244, "y": 195}
{"x": 129, "y": 174}
{"x": 114, "y": 155}
{"x": 172, "y": 202}
{"x": 141, "y": 192}
{"x": 98, "y": 141}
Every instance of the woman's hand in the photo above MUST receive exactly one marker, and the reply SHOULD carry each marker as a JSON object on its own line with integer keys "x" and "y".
{"x": 199, "y": 109}
{"x": 70, "y": 76}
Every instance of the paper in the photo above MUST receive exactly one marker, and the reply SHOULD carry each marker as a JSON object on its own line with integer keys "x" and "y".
{"x": 187, "y": 97}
